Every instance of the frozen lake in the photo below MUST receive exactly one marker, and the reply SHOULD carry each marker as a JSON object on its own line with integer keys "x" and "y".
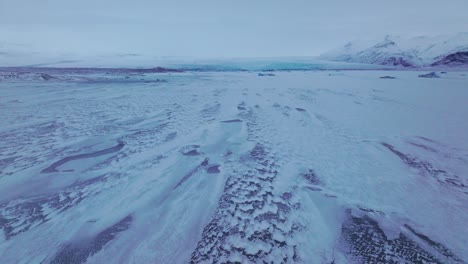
{"x": 305, "y": 166}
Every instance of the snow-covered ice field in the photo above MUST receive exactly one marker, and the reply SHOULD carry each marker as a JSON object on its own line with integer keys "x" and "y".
{"x": 301, "y": 167}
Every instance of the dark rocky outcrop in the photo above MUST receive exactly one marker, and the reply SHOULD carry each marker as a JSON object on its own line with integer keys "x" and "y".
{"x": 454, "y": 59}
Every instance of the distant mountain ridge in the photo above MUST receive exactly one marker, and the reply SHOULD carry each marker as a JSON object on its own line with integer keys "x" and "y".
{"x": 414, "y": 52}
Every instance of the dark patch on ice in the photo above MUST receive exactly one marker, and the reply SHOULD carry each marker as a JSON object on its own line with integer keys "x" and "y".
{"x": 7, "y": 227}
{"x": 383, "y": 99}
{"x": 20, "y": 215}
{"x": 387, "y": 77}
{"x": 53, "y": 167}
{"x": 80, "y": 251}
{"x": 46, "y": 76}
{"x": 213, "y": 169}
{"x": 311, "y": 177}
{"x": 367, "y": 243}
{"x": 410, "y": 161}
{"x": 191, "y": 150}
{"x": 267, "y": 216}
{"x": 283, "y": 207}
{"x": 425, "y": 147}
{"x": 368, "y": 210}
{"x": 232, "y": 121}
{"x": 192, "y": 172}
{"x": 258, "y": 152}
{"x": 426, "y": 139}
{"x": 7, "y": 161}
{"x": 170, "y": 136}
{"x": 314, "y": 189}
{"x": 241, "y": 106}
{"x": 300, "y": 109}
{"x": 336, "y": 74}
{"x": 429, "y": 75}
{"x": 287, "y": 195}
{"x": 266, "y": 74}
{"x": 435, "y": 245}
{"x": 426, "y": 168}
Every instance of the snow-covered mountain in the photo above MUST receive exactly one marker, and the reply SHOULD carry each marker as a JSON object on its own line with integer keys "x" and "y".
{"x": 414, "y": 52}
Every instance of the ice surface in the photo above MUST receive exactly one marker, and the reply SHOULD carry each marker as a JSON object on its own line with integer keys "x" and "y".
{"x": 206, "y": 167}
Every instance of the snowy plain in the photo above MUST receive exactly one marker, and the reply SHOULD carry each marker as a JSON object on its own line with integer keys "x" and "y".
{"x": 212, "y": 167}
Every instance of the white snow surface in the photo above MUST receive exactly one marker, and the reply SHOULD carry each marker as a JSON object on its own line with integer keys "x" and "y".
{"x": 231, "y": 166}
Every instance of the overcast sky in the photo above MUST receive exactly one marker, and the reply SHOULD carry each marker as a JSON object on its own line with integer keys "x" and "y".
{"x": 207, "y": 28}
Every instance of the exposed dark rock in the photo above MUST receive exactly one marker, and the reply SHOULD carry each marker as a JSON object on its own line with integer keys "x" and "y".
{"x": 454, "y": 59}
{"x": 397, "y": 61}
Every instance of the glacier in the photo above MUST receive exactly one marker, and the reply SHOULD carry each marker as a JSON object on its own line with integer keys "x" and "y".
{"x": 331, "y": 165}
